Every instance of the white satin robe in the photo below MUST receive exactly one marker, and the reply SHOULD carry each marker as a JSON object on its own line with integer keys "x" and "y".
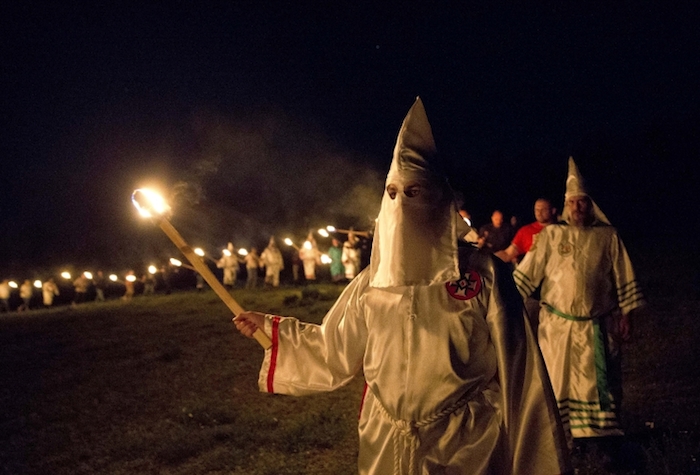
{"x": 455, "y": 382}
{"x": 587, "y": 281}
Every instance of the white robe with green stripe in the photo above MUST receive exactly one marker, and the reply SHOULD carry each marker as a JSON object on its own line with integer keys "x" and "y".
{"x": 587, "y": 283}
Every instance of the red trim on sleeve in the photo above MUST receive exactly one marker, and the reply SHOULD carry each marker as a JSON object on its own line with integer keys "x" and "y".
{"x": 362, "y": 401}
{"x": 273, "y": 356}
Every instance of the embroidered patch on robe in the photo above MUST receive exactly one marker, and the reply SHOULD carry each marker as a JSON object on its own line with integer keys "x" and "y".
{"x": 465, "y": 288}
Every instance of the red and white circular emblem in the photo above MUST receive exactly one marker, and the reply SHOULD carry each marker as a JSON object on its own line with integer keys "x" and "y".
{"x": 466, "y": 287}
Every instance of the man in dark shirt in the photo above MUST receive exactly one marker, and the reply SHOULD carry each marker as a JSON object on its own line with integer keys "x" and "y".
{"x": 496, "y": 236}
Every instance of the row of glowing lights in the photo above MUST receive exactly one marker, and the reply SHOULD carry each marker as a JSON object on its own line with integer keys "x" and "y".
{"x": 88, "y": 275}
{"x": 325, "y": 259}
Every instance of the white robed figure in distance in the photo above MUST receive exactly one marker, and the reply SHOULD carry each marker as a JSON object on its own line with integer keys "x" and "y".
{"x": 351, "y": 256}
{"x": 271, "y": 259}
{"x": 310, "y": 257}
{"x": 230, "y": 263}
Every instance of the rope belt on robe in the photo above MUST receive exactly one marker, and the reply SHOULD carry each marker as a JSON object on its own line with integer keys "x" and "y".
{"x": 405, "y": 433}
{"x": 601, "y": 364}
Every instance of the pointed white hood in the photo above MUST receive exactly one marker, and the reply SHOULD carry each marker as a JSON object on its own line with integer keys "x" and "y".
{"x": 415, "y": 240}
{"x": 576, "y": 186}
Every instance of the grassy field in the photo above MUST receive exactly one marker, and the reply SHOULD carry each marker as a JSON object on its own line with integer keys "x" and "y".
{"x": 164, "y": 385}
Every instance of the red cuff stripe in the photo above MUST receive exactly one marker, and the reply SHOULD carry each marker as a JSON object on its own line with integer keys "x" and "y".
{"x": 273, "y": 357}
{"x": 362, "y": 401}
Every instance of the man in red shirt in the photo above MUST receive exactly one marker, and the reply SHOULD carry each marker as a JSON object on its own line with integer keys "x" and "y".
{"x": 545, "y": 214}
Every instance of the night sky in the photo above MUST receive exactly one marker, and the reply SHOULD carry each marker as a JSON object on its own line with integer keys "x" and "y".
{"x": 259, "y": 120}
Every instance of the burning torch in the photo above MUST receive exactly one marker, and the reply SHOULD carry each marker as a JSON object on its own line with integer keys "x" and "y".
{"x": 333, "y": 229}
{"x": 200, "y": 252}
{"x": 151, "y": 205}
{"x": 178, "y": 263}
{"x": 290, "y": 243}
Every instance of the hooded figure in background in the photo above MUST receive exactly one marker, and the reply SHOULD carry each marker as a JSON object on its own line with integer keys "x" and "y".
{"x": 271, "y": 259}
{"x": 351, "y": 256}
{"x": 455, "y": 381}
{"x": 229, "y": 262}
{"x": 310, "y": 257}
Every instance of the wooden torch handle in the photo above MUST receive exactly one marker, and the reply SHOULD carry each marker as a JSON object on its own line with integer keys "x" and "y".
{"x": 210, "y": 278}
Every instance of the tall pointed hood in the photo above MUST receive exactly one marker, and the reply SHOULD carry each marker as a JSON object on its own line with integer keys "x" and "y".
{"x": 415, "y": 150}
{"x": 576, "y": 186}
{"x": 415, "y": 241}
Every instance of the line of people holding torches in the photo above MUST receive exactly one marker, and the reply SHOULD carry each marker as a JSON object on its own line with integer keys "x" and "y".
{"x": 74, "y": 289}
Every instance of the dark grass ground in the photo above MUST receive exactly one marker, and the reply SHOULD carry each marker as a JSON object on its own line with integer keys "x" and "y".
{"x": 164, "y": 385}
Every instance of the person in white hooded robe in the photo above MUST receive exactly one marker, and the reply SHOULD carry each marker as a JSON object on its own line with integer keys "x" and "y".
{"x": 455, "y": 383}
{"x": 351, "y": 256}
{"x": 230, "y": 263}
{"x": 310, "y": 257}
{"x": 589, "y": 289}
{"x": 271, "y": 259}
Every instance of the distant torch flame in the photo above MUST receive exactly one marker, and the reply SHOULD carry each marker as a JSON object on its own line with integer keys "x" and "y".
{"x": 152, "y": 269}
{"x": 199, "y": 251}
{"x": 242, "y": 252}
{"x": 175, "y": 262}
{"x": 37, "y": 284}
{"x": 65, "y": 275}
{"x": 113, "y": 277}
{"x": 88, "y": 275}
{"x": 226, "y": 253}
{"x": 289, "y": 242}
{"x": 326, "y": 259}
{"x": 323, "y": 232}
{"x": 307, "y": 245}
{"x": 12, "y": 284}
{"x": 330, "y": 229}
{"x": 149, "y": 203}
{"x": 131, "y": 278}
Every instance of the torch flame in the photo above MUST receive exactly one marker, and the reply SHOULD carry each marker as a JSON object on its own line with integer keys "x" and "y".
{"x": 175, "y": 262}
{"x": 307, "y": 245}
{"x": 288, "y": 241}
{"x": 65, "y": 275}
{"x": 152, "y": 269}
{"x": 149, "y": 203}
{"x": 323, "y": 232}
{"x": 131, "y": 278}
{"x": 326, "y": 259}
{"x": 13, "y": 284}
{"x": 88, "y": 275}
{"x": 226, "y": 253}
{"x": 330, "y": 229}
{"x": 37, "y": 284}
{"x": 113, "y": 277}
{"x": 199, "y": 251}
{"x": 242, "y": 252}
